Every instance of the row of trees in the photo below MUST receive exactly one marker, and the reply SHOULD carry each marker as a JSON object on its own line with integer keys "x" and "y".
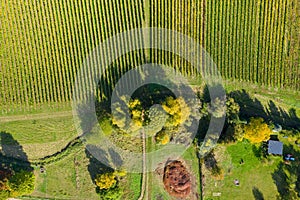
{"x": 158, "y": 121}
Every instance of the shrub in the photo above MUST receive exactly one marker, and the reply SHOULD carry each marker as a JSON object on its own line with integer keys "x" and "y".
{"x": 114, "y": 193}
{"x": 162, "y": 137}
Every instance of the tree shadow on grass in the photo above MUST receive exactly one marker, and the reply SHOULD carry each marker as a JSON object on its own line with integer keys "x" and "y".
{"x": 258, "y": 151}
{"x": 287, "y": 175}
{"x": 96, "y": 167}
{"x": 252, "y": 107}
{"x": 249, "y": 107}
{"x": 15, "y": 168}
{"x": 280, "y": 116}
{"x": 12, "y": 156}
{"x": 258, "y": 195}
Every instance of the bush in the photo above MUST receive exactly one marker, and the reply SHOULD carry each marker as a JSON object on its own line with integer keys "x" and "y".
{"x": 114, "y": 193}
{"x": 4, "y": 194}
{"x": 162, "y": 137}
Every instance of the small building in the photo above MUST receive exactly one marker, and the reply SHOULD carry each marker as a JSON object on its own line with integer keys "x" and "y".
{"x": 275, "y": 147}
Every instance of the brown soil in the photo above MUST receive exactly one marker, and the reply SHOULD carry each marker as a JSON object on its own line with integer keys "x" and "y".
{"x": 177, "y": 180}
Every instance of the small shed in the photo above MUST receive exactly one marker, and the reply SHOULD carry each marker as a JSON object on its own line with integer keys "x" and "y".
{"x": 275, "y": 147}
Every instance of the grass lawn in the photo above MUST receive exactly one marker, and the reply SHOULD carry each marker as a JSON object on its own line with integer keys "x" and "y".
{"x": 18, "y": 109}
{"x": 68, "y": 178}
{"x": 41, "y": 137}
{"x": 132, "y": 186}
{"x": 254, "y": 174}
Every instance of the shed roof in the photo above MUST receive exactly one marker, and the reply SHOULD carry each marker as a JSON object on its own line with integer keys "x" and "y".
{"x": 275, "y": 147}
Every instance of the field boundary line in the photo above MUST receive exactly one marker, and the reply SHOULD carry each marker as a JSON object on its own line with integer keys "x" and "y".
{"x": 24, "y": 117}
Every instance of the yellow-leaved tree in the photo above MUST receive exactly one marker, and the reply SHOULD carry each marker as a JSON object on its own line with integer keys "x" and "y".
{"x": 162, "y": 137}
{"x": 257, "y": 130}
{"x": 109, "y": 179}
{"x": 177, "y": 110}
{"x": 106, "y": 181}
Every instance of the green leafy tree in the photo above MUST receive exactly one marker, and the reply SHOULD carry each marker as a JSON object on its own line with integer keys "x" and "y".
{"x": 232, "y": 110}
{"x": 217, "y": 107}
{"x": 257, "y": 131}
{"x": 114, "y": 193}
{"x": 234, "y": 132}
{"x": 156, "y": 119}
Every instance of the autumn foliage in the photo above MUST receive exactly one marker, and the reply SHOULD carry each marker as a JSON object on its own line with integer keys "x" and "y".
{"x": 106, "y": 181}
{"x": 177, "y": 110}
{"x": 257, "y": 131}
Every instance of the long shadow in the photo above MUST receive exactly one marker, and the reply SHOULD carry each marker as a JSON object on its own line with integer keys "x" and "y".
{"x": 12, "y": 155}
{"x": 252, "y": 107}
{"x": 96, "y": 167}
{"x": 248, "y": 107}
{"x": 258, "y": 195}
{"x": 280, "y": 116}
{"x": 115, "y": 71}
{"x": 287, "y": 175}
{"x": 13, "y": 160}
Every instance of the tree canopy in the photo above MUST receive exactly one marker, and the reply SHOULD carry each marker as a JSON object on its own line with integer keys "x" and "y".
{"x": 257, "y": 130}
{"x": 177, "y": 110}
{"x": 17, "y": 184}
{"x": 106, "y": 181}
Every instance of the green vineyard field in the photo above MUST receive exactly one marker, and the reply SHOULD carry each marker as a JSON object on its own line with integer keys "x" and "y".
{"x": 43, "y": 43}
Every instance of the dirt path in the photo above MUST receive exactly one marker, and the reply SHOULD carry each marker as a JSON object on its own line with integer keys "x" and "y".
{"x": 144, "y": 176}
{"x": 35, "y": 116}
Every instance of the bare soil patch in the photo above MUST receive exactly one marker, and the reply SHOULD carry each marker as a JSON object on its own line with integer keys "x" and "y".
{"x": 177, "y": 179}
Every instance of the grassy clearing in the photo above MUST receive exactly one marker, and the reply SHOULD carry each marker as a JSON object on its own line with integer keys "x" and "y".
{"x": 133, "y": 186}
{"x": 13, "y": 110}
{"x": 254, "y": 173}
{"x": 70, "y": 178}
{"x": 41, "y": 137}
{"x": 66, "y": 179}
